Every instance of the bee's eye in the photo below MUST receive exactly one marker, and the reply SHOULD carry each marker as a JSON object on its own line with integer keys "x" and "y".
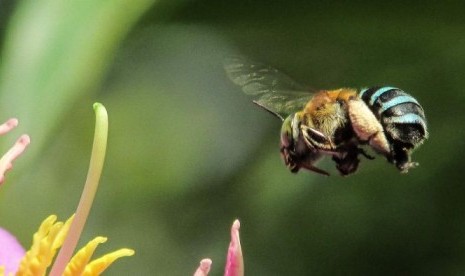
{"x": 287, "y": 139}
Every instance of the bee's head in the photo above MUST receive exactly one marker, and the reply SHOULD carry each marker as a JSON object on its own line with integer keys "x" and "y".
{"x": 298, "y": 136}
{"x": 290, "y": 132}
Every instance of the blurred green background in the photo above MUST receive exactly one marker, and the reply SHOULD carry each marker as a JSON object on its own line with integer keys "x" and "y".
{"x": 188, "y": 152}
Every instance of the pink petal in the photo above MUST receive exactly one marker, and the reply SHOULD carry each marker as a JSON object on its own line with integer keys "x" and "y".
{"x": 234, "y": 262}
{"x": 204, "y": 268}
{"x": 11, "y": 252}
{"x": 6, "y": 162}
{"x": 8, "y": 125}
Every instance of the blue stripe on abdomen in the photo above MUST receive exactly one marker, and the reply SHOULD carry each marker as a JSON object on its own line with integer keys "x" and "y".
{"x": 396, "y": 101}
{"x": 362, "y": 92}
{"x": 409, "y": 118}
{"x": 378, "y": 93}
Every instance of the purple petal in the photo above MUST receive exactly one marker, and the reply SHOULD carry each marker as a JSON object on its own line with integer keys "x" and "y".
{"x": 11, "y": 252}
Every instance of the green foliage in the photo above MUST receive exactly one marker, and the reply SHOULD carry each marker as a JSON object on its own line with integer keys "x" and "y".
{"x": 56, "y": 52}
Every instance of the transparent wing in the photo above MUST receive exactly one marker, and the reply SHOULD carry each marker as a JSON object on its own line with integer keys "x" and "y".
{"x": 270, "y": 88}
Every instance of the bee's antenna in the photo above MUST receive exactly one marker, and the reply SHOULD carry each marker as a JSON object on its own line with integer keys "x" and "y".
{"x": 269, "y": 110}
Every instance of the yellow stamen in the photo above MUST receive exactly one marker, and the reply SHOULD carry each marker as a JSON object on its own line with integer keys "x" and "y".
{"x": 45, "y": 242}
{"x": 49, "y": 238}
{"x": 78, "y": 263}
{"x": 96, "y": 267}
{"x": 53, "y": 235}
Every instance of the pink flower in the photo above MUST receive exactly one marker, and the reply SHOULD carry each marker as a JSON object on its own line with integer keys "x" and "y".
{"x": 6, "y": 162}
{"x": 234, "y": 262}
{"x": 52, "y": 234}
{"x": 204, "y": 267}
{"x": 11, "y": 252}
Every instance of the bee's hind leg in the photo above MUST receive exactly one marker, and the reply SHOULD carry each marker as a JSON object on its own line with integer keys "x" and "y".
{"x": 314, "y": 169}
{"x": 364, "y": 153}
{"x": 401, "y": 158}
{"x": 347, "y": 159}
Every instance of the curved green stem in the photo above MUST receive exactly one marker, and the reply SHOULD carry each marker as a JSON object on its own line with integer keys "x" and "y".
{"x": 93, "y": 176}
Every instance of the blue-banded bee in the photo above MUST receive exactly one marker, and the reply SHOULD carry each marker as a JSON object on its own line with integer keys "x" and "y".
{"x": 334, "y": 122}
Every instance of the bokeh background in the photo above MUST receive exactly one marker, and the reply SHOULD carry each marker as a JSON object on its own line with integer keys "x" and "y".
{"x": 189, "y": 153}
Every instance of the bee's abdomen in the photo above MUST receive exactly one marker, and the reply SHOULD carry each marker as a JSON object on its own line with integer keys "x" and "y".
{"x": 401, "y": 116}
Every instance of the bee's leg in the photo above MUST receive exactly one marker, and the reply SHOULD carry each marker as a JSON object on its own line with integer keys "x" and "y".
{"x": 363, "y": 152}
{"x": 401, "y": 158}
{"x": 315, "y": 139}
{"x": 404, "y": 167}
{"x": 367, "y": 127}
{"x": 379, "y": 143}
{"x": 347, "y": 160}
{"x": 314, "y": 169}
{"x": 288, "y": 157}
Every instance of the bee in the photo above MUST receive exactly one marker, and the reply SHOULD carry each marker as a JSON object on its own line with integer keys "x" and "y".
{"x": 336, "y": 123}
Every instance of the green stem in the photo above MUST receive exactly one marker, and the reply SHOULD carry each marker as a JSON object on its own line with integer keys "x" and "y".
{"x": 90, "y": 188}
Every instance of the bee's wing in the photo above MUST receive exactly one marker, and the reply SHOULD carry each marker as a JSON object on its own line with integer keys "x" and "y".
{"x": 270, "y": 88}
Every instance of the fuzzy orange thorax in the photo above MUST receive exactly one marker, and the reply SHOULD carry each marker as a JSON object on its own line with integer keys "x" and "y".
{"x": 322, "y": 98}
